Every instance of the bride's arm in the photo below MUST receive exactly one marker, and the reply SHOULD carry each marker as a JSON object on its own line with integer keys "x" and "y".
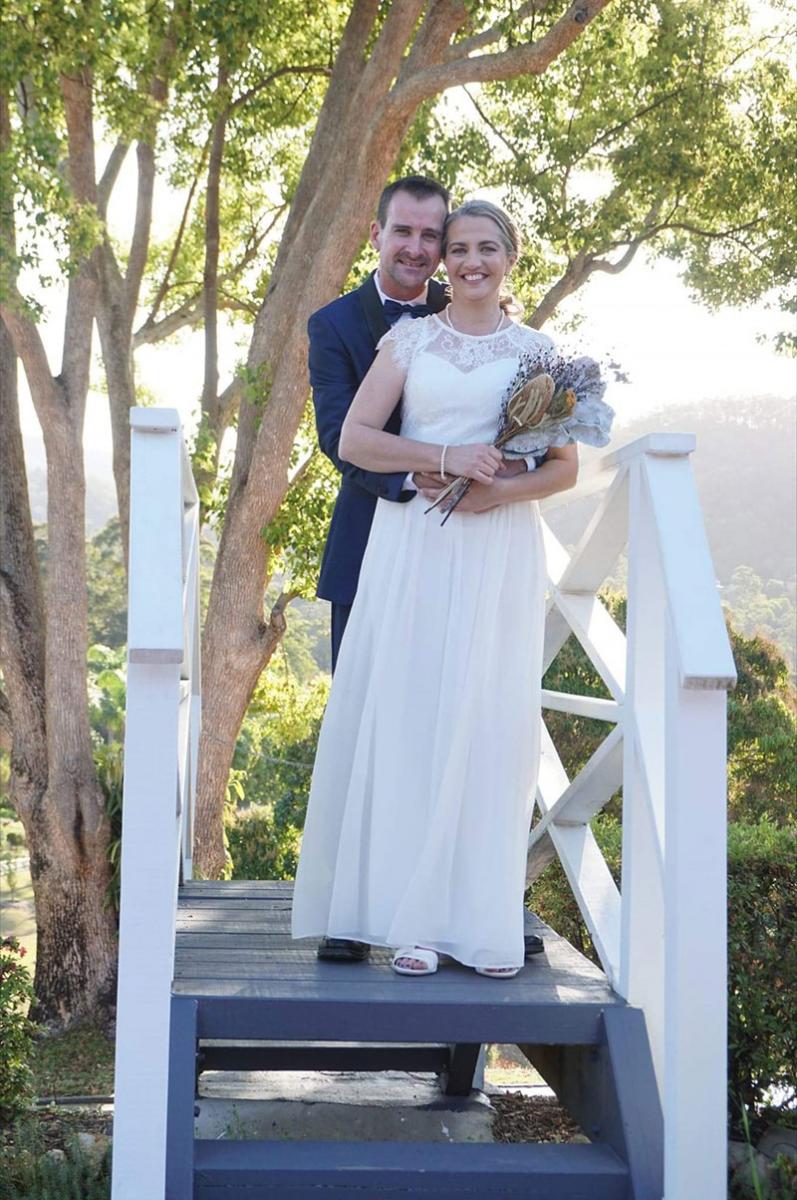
{"x": 364, "y": 442}
{"x": 558, "y": 473}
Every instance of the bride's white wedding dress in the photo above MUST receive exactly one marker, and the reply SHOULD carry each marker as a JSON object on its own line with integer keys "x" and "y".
{"x": 426, "y": 770}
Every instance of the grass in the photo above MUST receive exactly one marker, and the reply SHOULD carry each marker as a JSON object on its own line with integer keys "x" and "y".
{"x": 78, "y": 1063}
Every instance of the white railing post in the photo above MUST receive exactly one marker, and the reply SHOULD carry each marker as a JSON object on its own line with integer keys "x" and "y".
{"x": 670, "y": 705}
{"x": 160, "y": 739}
{"x": 698, "y": 669}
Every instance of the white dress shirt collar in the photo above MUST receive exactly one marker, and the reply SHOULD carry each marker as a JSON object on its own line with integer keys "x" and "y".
{"x": 419, "y": 299}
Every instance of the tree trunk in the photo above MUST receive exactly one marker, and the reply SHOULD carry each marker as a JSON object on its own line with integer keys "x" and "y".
{"x": 21, "y": 605}
{"x": 76, "y": 959}
{"x": 67, "y": 827}
{"x": 116, "y": 340}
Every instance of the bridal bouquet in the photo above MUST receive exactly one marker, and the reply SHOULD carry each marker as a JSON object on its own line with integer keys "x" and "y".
{"x": 552, "y": 400}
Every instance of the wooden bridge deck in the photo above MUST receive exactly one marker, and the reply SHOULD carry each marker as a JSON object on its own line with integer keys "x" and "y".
{"x": 234, "y": 954}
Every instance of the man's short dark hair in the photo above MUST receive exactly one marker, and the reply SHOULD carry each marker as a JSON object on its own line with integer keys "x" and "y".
{"x": 419, "y": 186}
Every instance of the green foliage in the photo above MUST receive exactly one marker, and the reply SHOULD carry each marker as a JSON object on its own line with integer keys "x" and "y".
{"x": 762, "y": 948}
{"x": 577, "y": 738}
{"x": 552, "y": 899}
{"x": 16, "y": 1031}
{"x": 260, "y": 847}
{"x": 33, "y": 1174}
{"x": 107, "y": 693}
{"x": 764, "y": 609}
{"x": 298, "y": 532}
{"x": 273, "y": 765}
{"x": 762, "y": 734}
{"x": 107, "y": 585}
{"x": 666, "y": 124}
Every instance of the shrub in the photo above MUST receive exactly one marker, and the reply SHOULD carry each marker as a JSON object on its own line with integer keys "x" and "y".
{"x": 16, "y": 1031}
{"x": 762, "y": 954}
{"x": 762, "y": 950}
{"x": 260, "y": 846}
{"x": 33, "y": 1174}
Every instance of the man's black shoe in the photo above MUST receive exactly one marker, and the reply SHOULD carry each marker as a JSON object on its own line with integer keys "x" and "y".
{"x": 534, "y": 945}
{"x": 333, "y": 949}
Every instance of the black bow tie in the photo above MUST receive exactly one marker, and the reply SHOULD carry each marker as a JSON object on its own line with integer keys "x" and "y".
{"x": 393, "y": 310}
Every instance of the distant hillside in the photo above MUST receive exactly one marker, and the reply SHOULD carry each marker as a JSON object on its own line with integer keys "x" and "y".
{"x": 100, "y": 499}
{"x": 745, "y": 466}
{"x": 746, "y": 474}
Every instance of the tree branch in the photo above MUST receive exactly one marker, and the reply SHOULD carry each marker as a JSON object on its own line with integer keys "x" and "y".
{"x": 489, "y": 36}
{"x": 29, "y": 348}
{"x": 190, "y": 312}
{"x": 251, "y": 92}
{"x": 178, "y": 241}
{"x": 210, "y": 280}
{"x": 82, "y": 293}
{"x": 109, "y": 176}
{"x": 625, "y": 260}
{"x": 139, "y": 245}
{"x": 23, "y": 331}
{"x": 517, "y": 155}
{"x": 347, "y": 65}
{"x": 277, "y": 624}
{"x": 531, "y": 59}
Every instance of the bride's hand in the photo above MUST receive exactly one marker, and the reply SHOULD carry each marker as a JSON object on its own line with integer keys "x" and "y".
{"x": 477, "y": 462}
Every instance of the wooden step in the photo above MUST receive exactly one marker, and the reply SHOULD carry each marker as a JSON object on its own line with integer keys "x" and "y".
{"x": 226, "y": 1170}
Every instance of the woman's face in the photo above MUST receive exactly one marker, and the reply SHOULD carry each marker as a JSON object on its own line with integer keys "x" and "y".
{"x": 476, "y": 259}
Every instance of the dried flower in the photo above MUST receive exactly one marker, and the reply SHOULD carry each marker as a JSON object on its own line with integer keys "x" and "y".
{"x": 552, "y": 400}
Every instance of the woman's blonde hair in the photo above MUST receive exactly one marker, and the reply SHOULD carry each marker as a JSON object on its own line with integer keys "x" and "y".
{"x": 507, "y": 229}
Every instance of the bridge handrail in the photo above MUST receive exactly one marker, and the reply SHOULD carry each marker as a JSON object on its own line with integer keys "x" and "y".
{"x": 662, "y": 938}
{"x": 161, "y": 745}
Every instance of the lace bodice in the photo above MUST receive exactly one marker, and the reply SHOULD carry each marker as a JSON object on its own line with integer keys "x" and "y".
{"x": 456, "y": 381}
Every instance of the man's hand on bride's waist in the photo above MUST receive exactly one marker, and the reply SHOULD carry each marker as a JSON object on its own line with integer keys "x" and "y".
{"x": 431, "y": 485}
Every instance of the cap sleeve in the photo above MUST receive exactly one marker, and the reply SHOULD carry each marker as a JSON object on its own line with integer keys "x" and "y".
{"x": 406, "y": 338}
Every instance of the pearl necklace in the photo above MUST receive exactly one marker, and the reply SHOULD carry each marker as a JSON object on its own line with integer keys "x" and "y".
{"x": 451, "y": 325}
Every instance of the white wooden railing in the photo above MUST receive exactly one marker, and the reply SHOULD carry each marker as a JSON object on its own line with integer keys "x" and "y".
{"x": 662, "y": 937}
{"x": 161, "y": 744}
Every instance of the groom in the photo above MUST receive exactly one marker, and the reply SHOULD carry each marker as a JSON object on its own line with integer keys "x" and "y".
{"x": 407, "y": 234}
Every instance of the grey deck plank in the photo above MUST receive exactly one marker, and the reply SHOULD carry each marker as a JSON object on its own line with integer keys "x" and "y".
{"x": 233, "y": 945}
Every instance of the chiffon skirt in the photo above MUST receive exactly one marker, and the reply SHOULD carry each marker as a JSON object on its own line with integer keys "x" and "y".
{"x": 424, "y": 781}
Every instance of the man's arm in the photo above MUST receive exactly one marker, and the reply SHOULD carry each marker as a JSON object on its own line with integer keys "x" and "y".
{"x": 558, "y": 473}
{"x": 334, "y": 383}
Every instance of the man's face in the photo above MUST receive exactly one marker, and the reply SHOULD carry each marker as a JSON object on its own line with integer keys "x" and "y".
{"x": 408, "y": 243}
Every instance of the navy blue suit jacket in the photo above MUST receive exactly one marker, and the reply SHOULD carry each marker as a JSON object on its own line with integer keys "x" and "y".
{"x": 343, "y": 338}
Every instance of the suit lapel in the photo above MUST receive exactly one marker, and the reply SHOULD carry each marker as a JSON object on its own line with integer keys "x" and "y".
{"x": 371, "y": 305}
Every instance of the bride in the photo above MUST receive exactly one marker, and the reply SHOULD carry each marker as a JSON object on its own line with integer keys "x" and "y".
{"x": 426, "y": 771}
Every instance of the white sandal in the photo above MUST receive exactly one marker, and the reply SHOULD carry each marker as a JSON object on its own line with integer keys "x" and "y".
{"x": 497, "y": 972}
{"x": 422, "y": 954}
